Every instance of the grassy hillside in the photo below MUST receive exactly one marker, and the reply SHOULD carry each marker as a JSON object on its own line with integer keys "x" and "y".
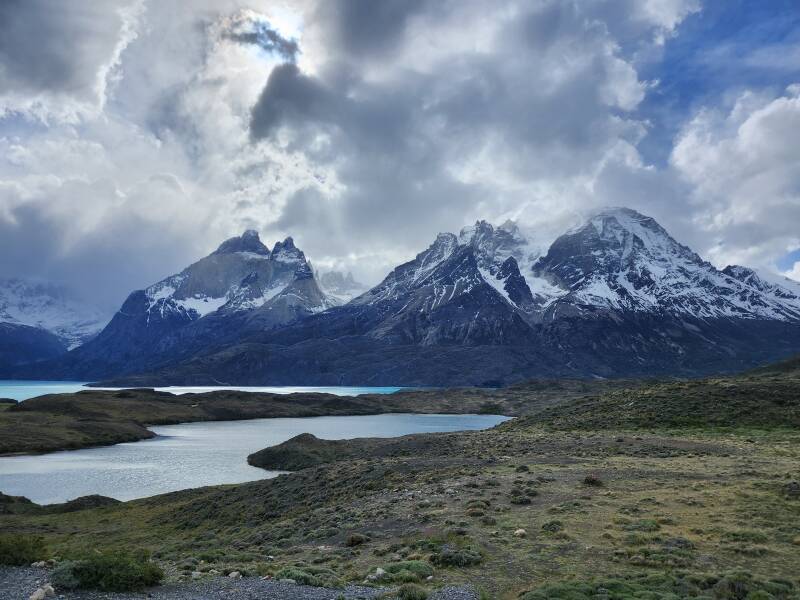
{"x": 767, "y": 400}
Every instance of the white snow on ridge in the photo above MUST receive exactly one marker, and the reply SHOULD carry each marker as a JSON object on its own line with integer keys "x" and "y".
{"x": 202, "y": 305}
{"x": 644, "y": 269}
{"x": 637, "y": 266}
{"x": 497, "y": 284}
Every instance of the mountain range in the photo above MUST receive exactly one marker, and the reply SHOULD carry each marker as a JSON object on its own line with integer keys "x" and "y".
{"x": 616, "y": 296}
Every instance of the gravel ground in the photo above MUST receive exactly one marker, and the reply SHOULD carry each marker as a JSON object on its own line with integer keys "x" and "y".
{"x": 18, "y": 583}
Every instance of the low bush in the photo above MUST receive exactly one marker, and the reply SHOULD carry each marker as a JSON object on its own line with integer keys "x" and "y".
{"x": 553, "y": 526}
{"x": 314, "y": 576}
{"x": 450, "y": 556}
{"x": 63, "y": 576}
{"x": 411, "y": 591}
{"x": 643, "y": 525}
{"x": 112, "y": 572}
{"x": 356, "y": 539}
{"x": 520, "y": 500}
{"x": 18, "y": 550}
{"x": 592, "y": 480}
{"x": 406, "y": 571}
{"x": 745, "y": 535}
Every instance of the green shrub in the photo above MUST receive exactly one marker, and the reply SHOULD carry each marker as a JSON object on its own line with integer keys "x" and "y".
{"x": 450, "y": 556}
{"x": 314, "y": 576}
{"x": 112, "y": 571}
{"x": 406, "y": 571}
{"x": 18, "y": 550}
{"x": 745, "y": 535}
{"x": 553, "y": 526}
{"x": 357, "y": 539}
{"x": 593, "y": 480}
{"x": 411, "y": 591}
{"x": 643, "y": 525}
{"x": 299, "y": 576}
{"x": 63, "y": 576}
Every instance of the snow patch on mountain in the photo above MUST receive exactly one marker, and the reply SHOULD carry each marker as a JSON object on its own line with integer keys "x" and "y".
{"x": 49, "y": 307}
{"x": 495, "y": 245}
{"x": 497, "y": 284}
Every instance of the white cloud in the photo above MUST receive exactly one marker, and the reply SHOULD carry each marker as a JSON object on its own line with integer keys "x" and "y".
{"x": 425, "y": 115}
{"x": 794, "y": 272}
{"x": 58, "y": 60}
{"x": 744, "y": 166}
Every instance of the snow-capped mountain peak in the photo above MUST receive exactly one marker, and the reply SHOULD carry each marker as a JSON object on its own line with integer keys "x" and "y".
{"x": 620, "y": 259}
{"x": 616, "y": 260}
{"x": 242, "y": 274}
{"x": 287, "y": 252}
{"x": 495, "y": 247}
{"x": 249, "y": 241}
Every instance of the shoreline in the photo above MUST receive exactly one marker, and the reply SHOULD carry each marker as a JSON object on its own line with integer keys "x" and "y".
{"x": 96, "y": 418}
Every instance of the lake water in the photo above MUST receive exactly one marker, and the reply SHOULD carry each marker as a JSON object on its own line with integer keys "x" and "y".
{"x": 22, "y": 390}
{"x": 192, "y": 455}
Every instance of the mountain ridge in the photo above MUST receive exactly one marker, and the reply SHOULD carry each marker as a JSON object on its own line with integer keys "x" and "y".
{"x": 614, "y": 296}
{"x": 205, "y": 304}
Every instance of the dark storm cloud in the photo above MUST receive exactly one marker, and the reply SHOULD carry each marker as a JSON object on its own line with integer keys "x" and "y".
{"x": 394, "y": 141}
{"x": 268, "y": 39}
{"x": 366, "y": 25}
{"x": 102, "y": 265}
{"x": 289, "y": 97}
{"x": 51, "y": 46}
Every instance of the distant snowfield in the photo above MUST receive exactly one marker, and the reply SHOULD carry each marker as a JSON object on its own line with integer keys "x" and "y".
{"x": 22, "y": 390}
{"x": 49, "y": 307}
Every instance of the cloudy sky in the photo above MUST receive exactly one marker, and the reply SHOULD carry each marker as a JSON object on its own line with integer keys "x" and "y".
{"x": 135, "y": 135}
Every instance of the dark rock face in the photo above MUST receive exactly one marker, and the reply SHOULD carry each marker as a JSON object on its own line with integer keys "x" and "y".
{"x": 21, "y": 344}
{"x": 576, "y": 347}
{"x": 247, "y": 242}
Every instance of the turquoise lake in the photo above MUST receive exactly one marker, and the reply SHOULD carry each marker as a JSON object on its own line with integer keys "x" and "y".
{"x": 22, "y": 390}
{"x": 192, "y": 455}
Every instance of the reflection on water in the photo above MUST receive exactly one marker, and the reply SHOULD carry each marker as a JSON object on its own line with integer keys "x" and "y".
{"x": 196, "y": 454}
